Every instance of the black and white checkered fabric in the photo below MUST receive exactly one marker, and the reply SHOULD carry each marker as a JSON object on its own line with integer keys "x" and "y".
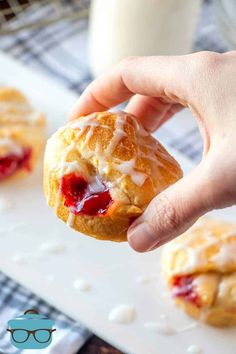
{"x": 47, "y": 50}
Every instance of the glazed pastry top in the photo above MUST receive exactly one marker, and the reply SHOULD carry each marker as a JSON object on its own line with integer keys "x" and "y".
{"x": 209, "y": 246}
{"x": 15, "y": 108}
{"x": 115, "y": 147}
{"x": 22, "y": 133}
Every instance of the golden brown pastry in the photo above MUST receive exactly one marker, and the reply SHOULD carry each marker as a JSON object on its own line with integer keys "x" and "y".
{"x": 22, "y": 134}
{"x": 102, "y": 170}
{"x": 200, "y": 267}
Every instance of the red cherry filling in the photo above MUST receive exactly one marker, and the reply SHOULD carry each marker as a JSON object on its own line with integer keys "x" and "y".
{"x": 85, "y": 198}
{"x": 13, "y": 162}
{"x": 183, "y": 287}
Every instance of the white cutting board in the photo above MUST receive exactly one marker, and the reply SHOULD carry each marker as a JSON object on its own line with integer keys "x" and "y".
{"x": 111, "y": 269}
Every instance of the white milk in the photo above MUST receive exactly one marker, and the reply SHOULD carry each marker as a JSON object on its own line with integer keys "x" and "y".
{"x": 121, "y": 28}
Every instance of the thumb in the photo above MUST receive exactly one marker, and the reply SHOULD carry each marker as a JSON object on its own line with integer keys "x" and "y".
{"x": 173, "y": 211}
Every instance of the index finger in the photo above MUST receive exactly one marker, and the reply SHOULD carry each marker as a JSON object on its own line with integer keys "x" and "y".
{"x": 161, "y": 76}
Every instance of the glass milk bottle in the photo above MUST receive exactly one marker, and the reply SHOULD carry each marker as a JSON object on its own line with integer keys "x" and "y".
{"x": 120, "y": 28}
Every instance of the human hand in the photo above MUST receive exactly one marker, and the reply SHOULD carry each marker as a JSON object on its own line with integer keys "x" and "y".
{"x": 204, "y": 82}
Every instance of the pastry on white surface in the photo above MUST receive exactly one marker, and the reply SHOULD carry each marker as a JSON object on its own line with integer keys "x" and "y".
{"x": 22, "y": 134}
{"x": 200, "y": 268}
{"x": 102, "y": 170}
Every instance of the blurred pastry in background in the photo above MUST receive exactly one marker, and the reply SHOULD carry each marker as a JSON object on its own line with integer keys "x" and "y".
{"x": 102, "y": 170}
{"x": 22, "y": 134}
{"x": 200, "y": 268}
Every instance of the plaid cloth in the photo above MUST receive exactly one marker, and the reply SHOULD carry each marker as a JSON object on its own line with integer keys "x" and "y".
{"x": 15, "y": 299}
{"x": 47, "y": 50}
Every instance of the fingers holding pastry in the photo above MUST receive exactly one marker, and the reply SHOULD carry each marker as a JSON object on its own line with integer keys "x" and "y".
{"x": 155, "y": 111}
{"x": 146, "y": 76}
{"x": 158, "y": 88}
{"x": 102, "y": 170}
{"x": 174, "y": 210}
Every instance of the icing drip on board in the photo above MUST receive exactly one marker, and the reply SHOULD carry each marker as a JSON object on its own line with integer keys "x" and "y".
{"x": 81, "y": 284}
{"x": 194, "y": 349}
{"x": 166, "y": 328}
{"x": 5, "y": 204}
{"x": 122, "y": 314}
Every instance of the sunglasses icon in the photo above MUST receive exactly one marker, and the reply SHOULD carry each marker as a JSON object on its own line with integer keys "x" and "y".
{"x": 31, "y": 330}
{"x": 42, "y": 335}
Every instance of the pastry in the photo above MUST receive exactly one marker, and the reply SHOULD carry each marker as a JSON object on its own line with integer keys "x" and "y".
{"x": 22, "y": 134}
{"x": 200, "y": 268}
{"x": 102, "y": 170}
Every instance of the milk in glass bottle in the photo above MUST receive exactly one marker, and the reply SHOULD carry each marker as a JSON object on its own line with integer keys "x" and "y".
{"x": 121, "y": 28}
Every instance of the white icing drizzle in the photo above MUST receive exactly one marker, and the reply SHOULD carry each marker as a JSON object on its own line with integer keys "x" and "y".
{"x": 118, "y": 134}
{"x": 89, "y": 135}
{"x": 197, "y": 255}
{"x": 64, "y": 168}
{"x": 163, "y": 316}
{"x": 194, "y": 349}
{"x": 165, "y": 328}
{"x": 5, "y": 204}
{"x": 34, "y": 116}
{"x": 188, "y": 327}
{"x": 200, "y": 280}
{"x": 226, "y": 254}
{"x": 86, "y": 125}
{"x": 10, "y": 147}
{"x": 144, "y": 279}
{"x": 71, "y": 219}
{"x": 96, "y": 186}
{"x": 52, "y": 247}
{"x": 125, "y": 167}
{"x": 160, "y": 327}
{"x": 128, "y": 168}
{"x": 122, "y": 314}
{"x": 19, "y": 259}
{"x": 138, "y": 127}
{"x": 40, "y": 253}
{"x": 226, "y": 287}
{"x": 19, "y": 111}
{"x": 82, "y": 124}
{"x": 21, "y": 107}
{"x": 81, "y": 284}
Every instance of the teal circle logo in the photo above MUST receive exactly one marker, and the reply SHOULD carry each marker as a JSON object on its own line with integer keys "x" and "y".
{"x": 31, "y": 330}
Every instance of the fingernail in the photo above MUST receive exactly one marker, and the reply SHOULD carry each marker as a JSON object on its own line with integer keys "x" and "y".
{"x": 142, "y": 237}
{"x": 73, "y": 112}
{"x": 152, "y": 126}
